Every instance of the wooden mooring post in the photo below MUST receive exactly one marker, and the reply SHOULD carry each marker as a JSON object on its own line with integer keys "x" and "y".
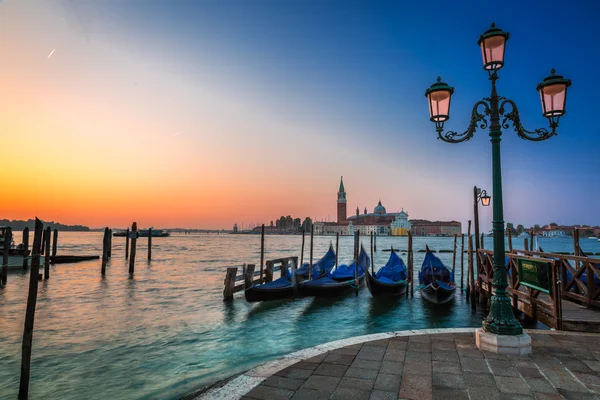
{"x": 134, "y": 234}
{"x": 262, "y": 250}
{"x": 469, "y": 262}
{"x": 248, "y": 276}
{"x": 229, "y": 282}
{"x": 462, "y": 259}
{"x": 337, "y": 246}
{"x": 105, "y": 250}
{"x": 127, "y": 244}
{"x": 410, "y": 265}
{"x": 47, "y": 255}
{"x": 5, "y": 250}
{"x": 310, "y": 266}
{"x": 577, "y": 249}
{"x": 149, "y": 244}
{"x": 530, "y": 240}
{"x": 525, "y": 244}
{"x": 510, "y": 247}
{"x": 454, "y": 257}
{"x": 302, "y": 249}
{"x": 30, "y": 312}
{"x": 25, "y": 247}
{"x": 357, "y": 246}
{"x": 473, "y": 293}
{"x": 372, "y": 257}
{"x": 110, "y": 236}
{"x": 54, "y": 242}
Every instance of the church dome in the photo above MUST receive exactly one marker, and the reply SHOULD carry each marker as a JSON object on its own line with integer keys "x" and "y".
{"x": 379, "y": 210}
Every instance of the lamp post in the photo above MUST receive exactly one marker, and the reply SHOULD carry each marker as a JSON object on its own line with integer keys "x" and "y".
{"x": 478, "y": 195}
{"x": 500, "y": 110}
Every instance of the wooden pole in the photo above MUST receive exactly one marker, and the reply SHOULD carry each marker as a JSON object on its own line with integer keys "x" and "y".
{"x": 262, "y": 250}
{"x": 268, "y": 271}
{"x": 577, "y": 248}
{"x": 54, "y": 242}
{"x": 375, "y": 241}
{"x": 356, "y": 261}
{"x": 510, "y": 247}
{"x": 105, "y": 250}
{"x": 302, "y": 250}
{"x": 462, "y": 259}
{"x": 30, "y": 311}
{"x": 476, "y": 222}
{"x": 310, "y": 266}
{"x": 454, "y": 257}
{"x": 127, "y": 244}
{"x": 337, "y": 243}
{"x": 25, "y": 247}
{"x": 482, "y": 241}
{"x": 294, "y": 277}
{"x": 531, "y": 240}
{"x": 47, "y": 256}
{"x": 134, "y": 234}
{"x": 410, "y": 264}
{"x": 373, "y": 259}
{"x": 5, "y": 251}
{"x": 43, "y": 249}
{"x": 469, "y": 261}
{"x": 150, "y": 244}
{"x": 473, "y": 293}
{"x": 229, "y": 280}
{"x": 249, "y": 276}
{"x": 525, "y": 244}
{"x": 109, "y": 250}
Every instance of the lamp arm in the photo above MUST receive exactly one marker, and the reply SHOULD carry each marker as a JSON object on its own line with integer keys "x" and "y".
{"x": 476, "y": 118}
{"x": 536, "y": 135}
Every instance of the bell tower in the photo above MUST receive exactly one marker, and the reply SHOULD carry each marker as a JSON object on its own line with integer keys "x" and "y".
{"x": 341, "y": 202}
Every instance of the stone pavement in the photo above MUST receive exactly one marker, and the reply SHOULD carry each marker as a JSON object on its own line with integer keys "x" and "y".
{"x": 442, "y": 366}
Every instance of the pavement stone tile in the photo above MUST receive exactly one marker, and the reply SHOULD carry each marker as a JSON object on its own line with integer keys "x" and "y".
{"x": 361, "y": 373}
{"x": 262, "y": 392}
{"x": 345, "y": 350}
{"x": 383, "y": 395}
{"x": 510, "y": 396}
{"x": 331, "y": 370}
{"x": 548, "y": 396}
{"x": 466, "y": 345}
{"x": 508, "y": 384}
{"x": 397, "y": 345}
{"x": 470, "y": 353}
{"x": 372, "y": 353}
{"x": 416, "y": 387}
{"x": 418, "y": 356}
{"x": 442, "y": 338}
{"x": 494, "y": 356}
{"x": 335, "y": 358}
{"x": 317, "y": 359}
{"x": 394, "y": 355}
{"x": 444, "y": 393}
{"x": 391, "y": 367}
{"x": 540, "y": 385}
{"x": 464, "y": 335}
{"x": 571, "y": 395}
{"x": 399, "y": 339}
{"x": 306, "y": 365}
{"x": 562, "y": 379}
{"x": 295, "y": 373}
{"x": 583, "y": 354}
{"x": 388, "y": 382}
{"x": 356, "y": 346}
{"x": 309, "y": 394}
{"x": 479, "y": 380}
{"x": 487, "y": 393}
{"x": 452, "y": 381}
{"x": 502, "y": 368}
{"x": 588, "y": 379}
{"x": 420, "y": 338}
{"x": 558, "y": 350}
{"x": 446, "y": 367}
{"x": 417, "y": 368}
{"x": 379, "y": 343}
{"x": 350, "y": 394}
{"x": 529, "y": 372}
{"x": 419, "y": 346}
{"x": 435, "y": 345}
{"x": 473, "y": 365}
{"x": 319, "y": 382}
{"x": 368, "y": 364}
{"x": 356, "y": 383}
{"x": 282, "y": 382}
{"x": 445, "y": 355}
{"x": 594, "y": 389}
{"x": 594, "y": 365}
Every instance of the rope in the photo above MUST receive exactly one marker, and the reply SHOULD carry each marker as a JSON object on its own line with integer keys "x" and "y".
{"x": 20, "y": 262}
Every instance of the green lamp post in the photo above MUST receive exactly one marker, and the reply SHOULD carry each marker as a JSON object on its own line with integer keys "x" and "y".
{"x": 500, "y": 110}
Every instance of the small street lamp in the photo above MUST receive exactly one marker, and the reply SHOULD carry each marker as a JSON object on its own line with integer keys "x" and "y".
{"x": 483, "y": 197}
{"x": 499, "y": 110}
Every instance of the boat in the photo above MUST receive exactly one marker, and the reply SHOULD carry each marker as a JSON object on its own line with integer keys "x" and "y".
{"x": 339, "y": 281}
{"x": 15, "y": 252}
{"x": 390, "y": 280}
{"x": 320, "y": 268}
{"x": 283, "y": 287}
{"x": 144, "y": 233}
{"x": 436, "y": 280}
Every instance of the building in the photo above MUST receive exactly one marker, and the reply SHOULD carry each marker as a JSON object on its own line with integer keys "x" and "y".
{"x": 421, "y": 227}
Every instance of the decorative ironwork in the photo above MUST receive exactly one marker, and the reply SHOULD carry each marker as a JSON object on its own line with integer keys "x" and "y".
{"x": 536, "y": 135}
{"x": 476, "y": 118}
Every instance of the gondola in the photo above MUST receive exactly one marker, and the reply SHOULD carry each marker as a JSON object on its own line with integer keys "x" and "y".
{"x": 339, "y": 281}
{"x": 436, "y": 280}
{"x": 390, "y": 280}
{"x": 283, "y": 287}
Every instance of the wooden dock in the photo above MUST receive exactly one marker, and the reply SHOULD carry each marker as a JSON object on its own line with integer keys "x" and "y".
{"x": 573, "y": 303}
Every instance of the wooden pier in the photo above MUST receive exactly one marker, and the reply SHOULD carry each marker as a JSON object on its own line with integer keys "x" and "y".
{"x": 571, "y": 303}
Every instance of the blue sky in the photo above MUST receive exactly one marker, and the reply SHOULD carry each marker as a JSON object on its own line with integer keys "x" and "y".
{"x": 343, "y": 84}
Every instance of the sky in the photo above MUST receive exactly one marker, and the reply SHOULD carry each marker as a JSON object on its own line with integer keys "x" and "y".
{"x": 201, "y": 114}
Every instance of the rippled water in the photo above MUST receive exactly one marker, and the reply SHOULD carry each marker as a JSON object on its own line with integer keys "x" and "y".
{"x": 167, "y": 332}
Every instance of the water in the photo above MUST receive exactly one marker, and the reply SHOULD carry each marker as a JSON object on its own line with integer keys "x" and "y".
{"x": 166, "y": 332}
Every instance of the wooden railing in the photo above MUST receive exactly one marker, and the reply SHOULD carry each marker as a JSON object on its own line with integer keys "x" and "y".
{"x": 528, "y": 299}
{"x": 250, "y": 277}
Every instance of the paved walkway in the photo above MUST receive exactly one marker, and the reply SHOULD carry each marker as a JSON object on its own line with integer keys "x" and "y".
{"x": 442, "y": 366}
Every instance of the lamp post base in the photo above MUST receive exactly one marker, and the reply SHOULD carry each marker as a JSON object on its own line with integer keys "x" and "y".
{"x": 513, "y": 345}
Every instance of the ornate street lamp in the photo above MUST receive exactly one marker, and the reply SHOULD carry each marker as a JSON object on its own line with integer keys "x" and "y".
{"x": 483, "y": 197}
{"x": 553, "y": 93}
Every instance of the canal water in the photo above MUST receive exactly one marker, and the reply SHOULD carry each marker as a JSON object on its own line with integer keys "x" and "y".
{"x": 166, "y": 331}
